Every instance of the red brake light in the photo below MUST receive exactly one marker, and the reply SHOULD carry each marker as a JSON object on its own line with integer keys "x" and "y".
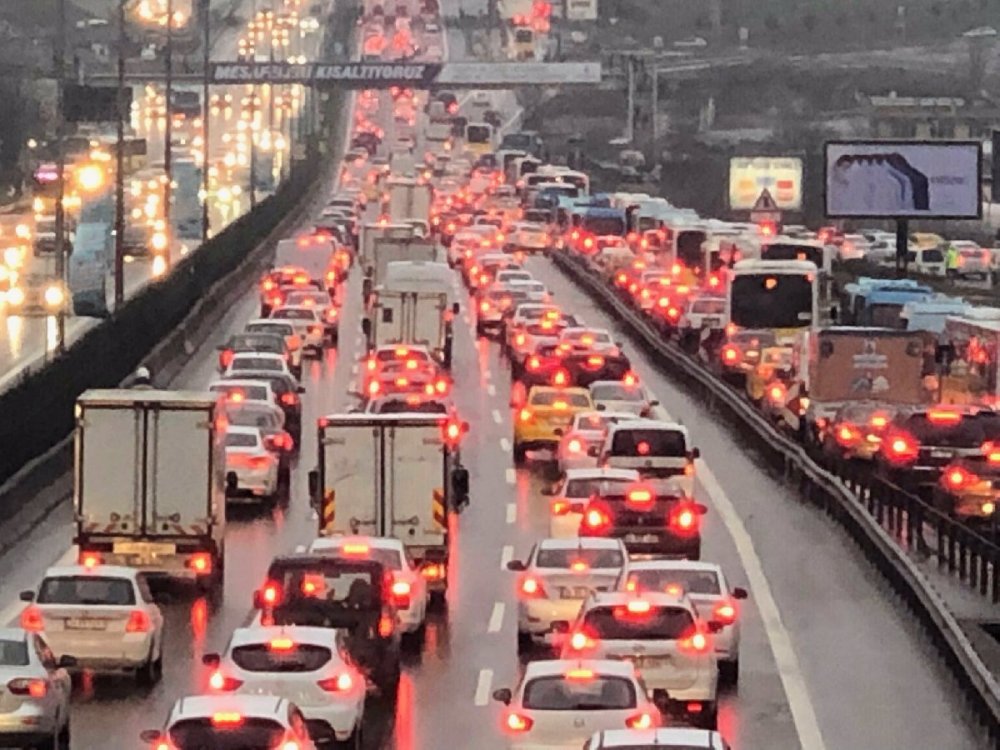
{"x": 200, "y": 562}
{"x": 944, "y": 416}
{"x": 639, "y": 496}
{"x": 596, "y": 520}
{"x": 642, "y": 720}
{"x": 271, "y": 593}
{"x": 695, "y": 642}
{"x": 533, "y": 364}
{"x": 684, "y": 518}
{"x": 219, "y": 681}
{"x": 90, "y": 560}
{"x": 724, "y": 612}
{"x": 138, "y": 622}
{"x": 958, "y": 477}
{"x": 289, "y": 399}
{"x": 386, "y": 626}
{"x": 401, "y": 594}
{"x": 731, "y": 355}
{"x": 560, "y": 507}
{"x": 574, "y": 446}
{"x": 900, "y": 448}
{"x": 226, "y": 357}
{"x": 342, "y": 683}
{"x": 31, "y": 619}
{"x": 560, "y": 377}
{"x": 531, "y": 588}
{"x": 525, "y": 415}
{"x": 776, "y": 393}
{"x": 580, "y": 641}
{"x": 848, "y": 435}
{"x": 281, "y": 644}
{"x": 638, "y": 607}
{"x": 518, "y": 722}
{"x": 31, "y": 688}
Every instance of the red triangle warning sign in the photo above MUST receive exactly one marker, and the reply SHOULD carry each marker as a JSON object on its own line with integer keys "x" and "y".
{"x": 765, "y": 202}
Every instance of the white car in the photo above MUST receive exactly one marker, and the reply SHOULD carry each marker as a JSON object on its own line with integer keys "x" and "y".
{"x": 34, "y": 706}
{"x": 251, "y": 468}
{"x": 237, "y": 391}
{"x": 232, "y": 721}
{"x": 308, "y": 324}
{"x": 529, "y": 236}
{"x": 656, "y": 449}
{"x": 102, "y": 616}
{"x": 321, "y": 301}
{"x": 664, "y": 637}
{"x": 672, "y": 738}
{"x": 560, "y": 704}
{"x": 620, "y": 396}
{"x": 586, "y": 432}
{"x": 409, "y": 588}
{"x": 854, "y": 247}
{"x": 705, "y": 585}
{"x": 307, "y": 665}
{"x": 973, "y": 260}
{"x": 557, "y": 576}
{"x": 256, "y": 362}
{"x": 571, "y": 495}
{"x": 509, "y": 276}
{"x": 284, "y": 329}
{"x": 597, "y": 340}
{"x": 530, "y": 291}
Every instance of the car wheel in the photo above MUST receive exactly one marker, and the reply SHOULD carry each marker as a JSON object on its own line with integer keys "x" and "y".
{"x": 729, "y": 672}
{"x": 414, "y": 642}
{"x": 520, "y": 454}
{"x": 525, "y": 643}
{"x": 63, "y": 742}
{"x": 146, "y": 675}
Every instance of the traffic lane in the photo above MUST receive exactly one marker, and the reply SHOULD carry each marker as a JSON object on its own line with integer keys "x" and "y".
{"x": 870, "y": 675}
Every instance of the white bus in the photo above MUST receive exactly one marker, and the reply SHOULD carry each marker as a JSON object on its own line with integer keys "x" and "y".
{"x": 776, "y": 295}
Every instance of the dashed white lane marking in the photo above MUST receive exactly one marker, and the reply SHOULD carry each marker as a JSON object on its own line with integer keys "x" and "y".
{"x": 511, "y": 476}
{"x": 354, "y": 369}
{"x": 496, "y": 618}
{"x": 511, "y": 512}
{"x": 506, "y": 555}
{"x": 794, "y": 684}
{"x": 505, "y": 445}
{"x": 496, "y": 416}
{"x": 491, "y": 389}
{"x": 483, "y": 687}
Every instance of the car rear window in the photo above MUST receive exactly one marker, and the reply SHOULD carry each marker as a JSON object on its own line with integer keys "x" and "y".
{"x": 402, "y": 407}
{"x": 293, "y": 314}
{"x": 618, "y": 624}
{"x": 254, "y": 418}
{"x": 565, "y": 558}
{"x": 280, "y": 329}
{"x": 265, "y": 342}
{"x": 247, "y": 392}
{"x": 315, "y": 298}
{"x": 83, "y": 590}
{"x": 353, "y": 586}
{"x": 971, "y": 431}
{"x": 588, "y": 487}
{"x": 249, "y": 733}
{"x": 552, "y": 398}
{"x": 387, "y": 355}
{"x": 709, "y": 307}
{"x": 13, "y": 653}
{"x": 256, "y": 363}
{"x": 241, "y": 440}
{"x": 593, "y": 693}
{"x": 705, "y": 582}
{"x": 616, "y": 392}
{"x": 261, "y": 657}
{"x": 639, "y": 443}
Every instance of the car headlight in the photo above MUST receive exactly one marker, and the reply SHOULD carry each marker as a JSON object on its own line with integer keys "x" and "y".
{"x": 15, "y": 296}
{"x": 54, "y": 296}
{"x": 159, "y": 241}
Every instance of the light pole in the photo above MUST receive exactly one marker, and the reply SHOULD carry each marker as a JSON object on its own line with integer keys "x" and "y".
{"x": 168, "y": 128}
{"x": 60, "y": 47}
{"x": 206, "y": 115}
{"x": 120, "y": 165}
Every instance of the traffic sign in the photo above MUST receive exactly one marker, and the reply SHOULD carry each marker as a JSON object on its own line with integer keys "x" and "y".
{"x": 765, "y": 210}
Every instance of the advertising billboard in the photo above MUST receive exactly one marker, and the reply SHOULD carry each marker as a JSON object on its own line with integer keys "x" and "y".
{"x": 903, "y": 179}
{"x": 781, "y": 176}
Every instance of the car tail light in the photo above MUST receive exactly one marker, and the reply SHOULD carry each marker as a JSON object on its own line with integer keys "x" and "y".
{"x": 401, "y": 594}
{"x": 331, "y": 314}
{"x": 138, "y": 622}
{"x": 725, "y": 612}
{"x": 901, "y": 449}
{"x": 484, "y": 306}
{"x": 560, "y": 377}
{"x": 29, "y": 687}
{"x": 847, "y": 435}
{"x": 878, "y": 421}
{"x": 386, "y": 625}
{"x": 695, "y": 642}
{"x": 342, "y": 683}
{"x": 227, "y": 718}
{"x": 271, "y": 593}
{"x": 944, "y": 416}
{"x": 642, "y": 720}
{"x": 958, "y": 478}
{"x": 518, "y": 722}
{"x": 560, "y": 507}
{"x": 374, "y": 387}
{"x": 596, "y": 520}
{"x": 226, "y": 357}
{"x": 531, "y": 588}
{"x": 441, "y": 386}
{"x": 581, "y": 642}
{"x": 776, "y": 393}
{"x": 574, "y": 446}
{"x": 200, "y": 562}
{"x": 32, "y": 620}
{"x": 731, "y": 355}
{"x": 684, "y": 519}
{"x": 433, "y": 571}
{"x": 638, "y": 607}
{"x": 90, "y": 560}
{"x": 525, "y": 415}
{"x": 533, "y": 364}
{"x": 289, "y": 399}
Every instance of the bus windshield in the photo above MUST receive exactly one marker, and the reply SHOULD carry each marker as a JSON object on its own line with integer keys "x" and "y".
{"x": 791, "y": 251}
{"x": 766, "y": 300}
{"x": 604, "y": 225}
{"x": 688, "y": 248}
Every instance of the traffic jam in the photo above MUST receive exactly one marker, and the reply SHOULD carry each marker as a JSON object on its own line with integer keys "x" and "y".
{"x": 286, "y": 556}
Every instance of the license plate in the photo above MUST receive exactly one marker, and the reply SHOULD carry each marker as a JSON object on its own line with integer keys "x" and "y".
{"x": 575, "y": 592}
{"x": 711, "y": 322}
{"x": 651, "y": 662}
{"x": 86, "y": 623}
{"x": 145, "y": 549}
{"x": 641, "y": 538}
{"x": 941, "y": 454}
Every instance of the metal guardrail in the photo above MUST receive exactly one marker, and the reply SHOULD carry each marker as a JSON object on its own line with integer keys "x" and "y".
{"x": 880, "y": 517}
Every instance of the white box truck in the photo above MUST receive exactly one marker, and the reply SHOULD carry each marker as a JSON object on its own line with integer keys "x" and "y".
{"x": 149, "y": 482}
{"x": 393, "y": 249}
{"x": 409, "y": 199}
{"x": 394, "y": 475}
{"x": 312, "y": 253}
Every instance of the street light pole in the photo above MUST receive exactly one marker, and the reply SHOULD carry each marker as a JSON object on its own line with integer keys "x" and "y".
{"x": 60, "y": 44}
{"x": 253, "y": 112}
{"x": 206, "y": 115}
{"x": 168, "y": 130}
{"x": 120, "y": 165}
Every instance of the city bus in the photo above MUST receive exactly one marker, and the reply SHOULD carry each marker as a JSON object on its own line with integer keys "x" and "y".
{"x": 773, "y": 295}
{"x": 479, "y": 137}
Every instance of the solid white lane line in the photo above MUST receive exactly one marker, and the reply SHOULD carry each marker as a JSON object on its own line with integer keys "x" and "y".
{"x": 511, "y": 512}
{"x": 505, "y": 445}
{"x": 496, "y": 619}
{"x": 794, "y": 684}
{"x": 483, "y": 687}
{"x": 496, "y": 416}
{"x": 491, "y": 389}
{"x": 511, "y": 476}
{"x": 506, "y": 555}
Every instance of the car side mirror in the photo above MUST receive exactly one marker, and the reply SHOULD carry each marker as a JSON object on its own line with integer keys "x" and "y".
{"x": 694, "y": 453}
{"x": 300, "y": 389}
{"x": 212, "y": 661}
{"x": 150, "y": 736}
{"x": 27, "y": 596}
{"x": 517, "y": 566}
{"x": 503, "y": 695}
{"x": 740, "y": 593}
{"x": 593, "y": 451}
{"x": 67, "y": 662}
{"x": 460, "y": 486}
{"x": 714, "y": 626}
{"x": 313, "y": 479}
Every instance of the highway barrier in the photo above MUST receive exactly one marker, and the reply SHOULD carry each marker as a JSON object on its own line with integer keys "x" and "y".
{"x": 878, "y": 516}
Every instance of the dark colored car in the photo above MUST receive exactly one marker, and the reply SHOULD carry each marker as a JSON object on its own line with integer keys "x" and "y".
{"x": 353, "y": 593}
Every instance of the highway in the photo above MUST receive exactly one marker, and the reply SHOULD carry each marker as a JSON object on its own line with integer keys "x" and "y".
{"x": 829, "y": 661}
{"x": 26, "y": 342}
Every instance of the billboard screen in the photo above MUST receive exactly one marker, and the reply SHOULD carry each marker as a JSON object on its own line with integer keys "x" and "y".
{"x": 903, "y": 179}
{"x": 781, "y": 176}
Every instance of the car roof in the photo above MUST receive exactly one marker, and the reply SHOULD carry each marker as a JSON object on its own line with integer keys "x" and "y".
{"x": 672, "y": 564}
{"x": 261, "y": 321}
{"x": 648, "y": 424}
{"x": 600, "y": 383}
{"x": 242, "y": 382}
{"x": 98, "y": 571}
{"x": 559, "y": 667}
{"x": 656, "y": 598}
{"x": 242, "y": 430}
{"x": 620, "y": 415}
{"x": 307, "y": 308}
{"x": 13, "y": 634}
{"x": 338, "y": 542}
{"x": 599, "y": 473}
{"x": 256, "y": 634}
{"x": 668, "y": 737}
{"x": 256, "y": 355}
{"x": 581, "y": 542}
{"x": 572, "y": 391}
{"x": 260, "y": 706}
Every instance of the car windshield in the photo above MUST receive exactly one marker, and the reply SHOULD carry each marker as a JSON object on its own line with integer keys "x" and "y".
{"x": 617, "y": 623}
{"x": 238, "y": 393}
{"x": 555, "y": 398}
{"x": 281, "y": 329}
{"x": 587, "y": 693}
{"x": 93, "y": 590}
{"x": 259, "y": 343}
{"x": 279, "y": 656}
{"x": 573, "y": 556}
{"x": 13, "y": 653}
{"x": 636, "y": 442}
{"x": 616, "y": 392}
{"x": 256, "y": 363}
{"x": 590, "y": 487}
{"x": 241, "y": 440}
{"x": 244, "y": 733}
{"x": 254, "y": 418}
{"x": 294, "y": 314}
{"x": 704, "y": 582}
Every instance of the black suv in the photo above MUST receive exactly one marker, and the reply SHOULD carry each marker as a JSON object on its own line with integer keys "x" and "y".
{"x": 347, "y": 593}
{"x": 665, "y": 524}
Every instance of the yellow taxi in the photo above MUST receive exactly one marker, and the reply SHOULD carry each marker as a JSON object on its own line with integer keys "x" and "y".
{"x": 546, "y": 413}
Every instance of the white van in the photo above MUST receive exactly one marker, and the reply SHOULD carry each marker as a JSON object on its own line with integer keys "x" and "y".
{"x": 656, "y": 449}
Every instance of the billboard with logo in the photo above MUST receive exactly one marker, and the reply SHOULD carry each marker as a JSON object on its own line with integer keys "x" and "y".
{"x": 781, "y": 176}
